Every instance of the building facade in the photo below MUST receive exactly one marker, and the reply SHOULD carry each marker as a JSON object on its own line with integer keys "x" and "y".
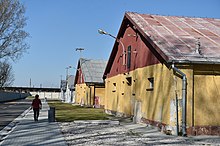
{"x": 165, "y": 71}
{"x": 89, "y": 85}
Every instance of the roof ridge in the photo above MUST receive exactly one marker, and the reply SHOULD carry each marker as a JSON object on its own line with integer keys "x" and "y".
{"x": 196, "y": 17}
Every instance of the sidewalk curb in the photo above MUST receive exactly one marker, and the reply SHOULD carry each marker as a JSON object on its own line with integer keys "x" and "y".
{"x": 97, "y": 122}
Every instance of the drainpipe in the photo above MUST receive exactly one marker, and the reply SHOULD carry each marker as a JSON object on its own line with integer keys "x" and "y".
{"x": 183, "y": 98}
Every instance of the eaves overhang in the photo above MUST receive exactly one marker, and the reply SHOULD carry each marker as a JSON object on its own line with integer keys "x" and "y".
{"x": 192, "y": 62}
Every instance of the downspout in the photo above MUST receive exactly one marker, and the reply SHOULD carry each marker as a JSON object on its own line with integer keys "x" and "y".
{"x": 177, "y": 116}
{"x": 184, "y": 84}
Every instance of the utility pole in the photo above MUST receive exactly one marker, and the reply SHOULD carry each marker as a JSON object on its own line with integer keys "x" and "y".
{"x": 30, "y": 82}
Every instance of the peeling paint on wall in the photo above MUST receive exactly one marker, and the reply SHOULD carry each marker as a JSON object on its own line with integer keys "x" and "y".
{"x": 137, "y": 112}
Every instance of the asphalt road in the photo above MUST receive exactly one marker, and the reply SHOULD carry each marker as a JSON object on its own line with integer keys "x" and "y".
{"x": 11, "y": 110}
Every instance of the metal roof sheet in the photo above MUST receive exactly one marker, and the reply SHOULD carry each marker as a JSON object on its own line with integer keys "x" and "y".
{"x": 71, "y": 80}
{"x": 182, "y": 38}
{"x": 92, "y": 70}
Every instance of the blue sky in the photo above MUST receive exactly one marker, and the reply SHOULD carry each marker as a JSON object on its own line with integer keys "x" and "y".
{"x": 57, "y": 27}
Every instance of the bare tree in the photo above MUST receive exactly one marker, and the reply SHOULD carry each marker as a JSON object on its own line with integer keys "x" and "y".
{"x": 12, "y": 33}
{"x": 12, "y": 37}
{"x": 6, "y": 74}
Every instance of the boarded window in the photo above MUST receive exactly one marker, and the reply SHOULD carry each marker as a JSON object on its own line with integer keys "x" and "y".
{"x": 129, "y": 57}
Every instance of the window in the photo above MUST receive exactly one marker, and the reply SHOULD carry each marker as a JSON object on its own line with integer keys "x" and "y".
{"x": 151, "y": 83}
{"x": 129, "y": 57}
{"x": 129, "y": 81}
{"x": 114, "y": 87}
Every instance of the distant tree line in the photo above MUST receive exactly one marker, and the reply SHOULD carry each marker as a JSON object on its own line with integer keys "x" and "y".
{"x": 12, "y": 38}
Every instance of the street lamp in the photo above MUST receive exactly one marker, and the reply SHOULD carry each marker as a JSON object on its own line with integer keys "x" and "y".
{"x": 118, "y": 40}
{"x": 104, "y": 32}
{"x": 80, "y": 51}
{"x": 67, "y": 74}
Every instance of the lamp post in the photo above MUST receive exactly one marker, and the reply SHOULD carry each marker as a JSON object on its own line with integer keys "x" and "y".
{"x": 67, "y": 69}
{"x": 80, "y": 51}
{"x": 118, "y": 40}
{"x": 67, "y": 77}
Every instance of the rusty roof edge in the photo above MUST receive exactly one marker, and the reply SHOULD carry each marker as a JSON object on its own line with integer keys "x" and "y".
{"x": 192, "y": 62}
{"x": 179, "y": 16}
{"x": 158, "y": 50}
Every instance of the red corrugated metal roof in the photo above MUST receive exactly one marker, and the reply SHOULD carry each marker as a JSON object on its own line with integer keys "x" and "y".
{"x": 181, "y": 38}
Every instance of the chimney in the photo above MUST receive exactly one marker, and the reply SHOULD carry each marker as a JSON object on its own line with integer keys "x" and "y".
{"x": 198, "y": 47}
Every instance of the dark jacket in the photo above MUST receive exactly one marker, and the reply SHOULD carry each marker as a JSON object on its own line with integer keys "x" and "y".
{"x": 36, "y": 103}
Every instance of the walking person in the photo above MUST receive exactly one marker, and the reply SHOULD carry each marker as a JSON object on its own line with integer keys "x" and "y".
{"x": 36, "y": 105}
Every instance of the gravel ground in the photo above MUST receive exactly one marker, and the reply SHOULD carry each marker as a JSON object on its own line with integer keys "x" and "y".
{"x": 126, "y": 134}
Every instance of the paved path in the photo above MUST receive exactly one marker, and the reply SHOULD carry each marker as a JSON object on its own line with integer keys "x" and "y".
{"x": 24, "y": 131}
{"x": 10, "y": 110}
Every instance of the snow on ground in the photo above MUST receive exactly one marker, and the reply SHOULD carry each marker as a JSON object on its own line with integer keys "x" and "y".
{"x": 127, "y": 135}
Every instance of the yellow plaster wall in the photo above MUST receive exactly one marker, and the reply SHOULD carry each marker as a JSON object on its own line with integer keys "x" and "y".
{"x": 85, "y": 94}
{"x": 155, "y": 103}
{"x": 203, "y": 94}
{"x": 82, "y": 93}
{"x": 207, "y": 95}
{"x": 91, "y": 96}
{"x": 100, "y": 92}
{"x": 113, "y": 93}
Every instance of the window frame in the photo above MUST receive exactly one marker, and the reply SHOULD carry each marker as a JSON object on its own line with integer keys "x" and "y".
{"x": 151, "y": 84}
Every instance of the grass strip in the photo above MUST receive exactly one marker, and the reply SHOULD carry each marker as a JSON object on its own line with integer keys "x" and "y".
{"x": 66, "y": 112}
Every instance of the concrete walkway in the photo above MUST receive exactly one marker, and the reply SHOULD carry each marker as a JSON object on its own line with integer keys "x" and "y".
{"x": 24, "y": 131}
